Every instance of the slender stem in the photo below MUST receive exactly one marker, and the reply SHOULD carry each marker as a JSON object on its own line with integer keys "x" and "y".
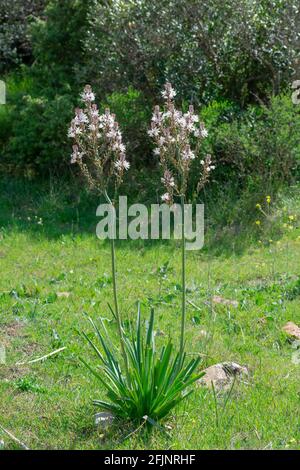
{"x": 115, "y": 290}
{"x": 183, "y": 309}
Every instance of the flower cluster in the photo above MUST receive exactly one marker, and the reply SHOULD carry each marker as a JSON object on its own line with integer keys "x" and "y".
{"x": 98, "y": 147}
{"x": 177, "y": 138}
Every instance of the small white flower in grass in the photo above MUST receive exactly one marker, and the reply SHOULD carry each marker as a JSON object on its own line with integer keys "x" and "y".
{"x": 156, "y": 151}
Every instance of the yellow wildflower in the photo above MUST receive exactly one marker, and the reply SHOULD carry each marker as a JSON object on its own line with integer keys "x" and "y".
{"x": 268, "y": 199}
{"x": 257, "y": 222}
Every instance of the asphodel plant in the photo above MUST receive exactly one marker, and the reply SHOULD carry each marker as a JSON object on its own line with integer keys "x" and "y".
{"x": 100, "y": 153}
{"x": 148, "y": 383}
{"x": 178, "y": 136}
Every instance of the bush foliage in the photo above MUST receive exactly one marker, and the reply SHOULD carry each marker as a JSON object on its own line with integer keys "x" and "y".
{"x": 15, "y": 19}
{"x": 234, "y": 61}
{"x": 207, "y": 49}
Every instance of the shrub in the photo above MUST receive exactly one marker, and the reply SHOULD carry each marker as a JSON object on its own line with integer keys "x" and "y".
{"x": 133, "y": 112}
{"x": 58, "y": 45}
{"x": 15, "y": 19}
{"x": 262, "y": 146}
{"x": 257, "y": 153}
{"x": 40, "y": 113}
{"x": 39, "y": 138}
{"x": 208, "y": 49}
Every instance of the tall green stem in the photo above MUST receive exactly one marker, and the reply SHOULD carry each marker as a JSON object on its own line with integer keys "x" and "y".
{"x": 183, "y": 309}
{"x": 115, "y": 289}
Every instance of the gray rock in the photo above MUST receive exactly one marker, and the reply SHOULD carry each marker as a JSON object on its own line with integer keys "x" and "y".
{"x": 104, "y": 419}
{"x": 222, "y": 375}
{"x": 2, "y": 354}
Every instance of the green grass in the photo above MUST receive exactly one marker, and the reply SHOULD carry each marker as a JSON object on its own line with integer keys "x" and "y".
{"x": 48, "y": 405}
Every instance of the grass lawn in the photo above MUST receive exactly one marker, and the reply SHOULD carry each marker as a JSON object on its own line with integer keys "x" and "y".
{"x": 54, "y": 270}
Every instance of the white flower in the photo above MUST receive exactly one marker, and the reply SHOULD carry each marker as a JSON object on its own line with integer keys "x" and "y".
{"x": 111, "y": 134}
{"x": 80, "y": 118}
{"x": 166, "y": 198}
{"x": 187, "y": 154}
{"x": 154, "y": 132}
{"x": 122, "y": 148}
{"x": 72, "y": 132}
{"x": 156, "y": 118}
{"x": 156, "y": 151}
{"x": 95, "y": 112}
{"x": 182, "y": 122}
{"x": 76, "y": 155}
{"x": 204, "y": 133}
{"x": 168, "y": 179}
{"x": 168, "y": 93}
{"x": 122, "y": 164}
{"x": 190, "y": 127}
{"x": 88, "y": 96}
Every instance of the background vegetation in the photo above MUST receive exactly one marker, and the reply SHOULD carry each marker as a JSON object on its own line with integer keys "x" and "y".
{"x": 235, "y": 61}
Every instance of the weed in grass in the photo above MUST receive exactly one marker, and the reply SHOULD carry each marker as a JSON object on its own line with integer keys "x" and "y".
{"x": 29, "y": 384}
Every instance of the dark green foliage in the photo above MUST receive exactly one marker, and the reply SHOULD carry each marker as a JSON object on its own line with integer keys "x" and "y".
{"x": 262, "y": 146}
{"x": 133, "y": 113}
{"x": 15, "y": 19}
{"x": 207, "y": 49}
{"x": 41, "y": 113}
{"x": 39, "y": 138}
{"x": 58, "y": 44}
{"x": 233, "y": 57}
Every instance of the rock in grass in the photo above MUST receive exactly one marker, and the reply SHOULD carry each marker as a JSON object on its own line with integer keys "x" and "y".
{"x": 63, "y": 294}
{"x": 104, "y": 419}
{"x": 2, "y": 354}
{"x": 222, "y": 375}
{"x": 220, "y": 300}
{"x": 292, "y": 329}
